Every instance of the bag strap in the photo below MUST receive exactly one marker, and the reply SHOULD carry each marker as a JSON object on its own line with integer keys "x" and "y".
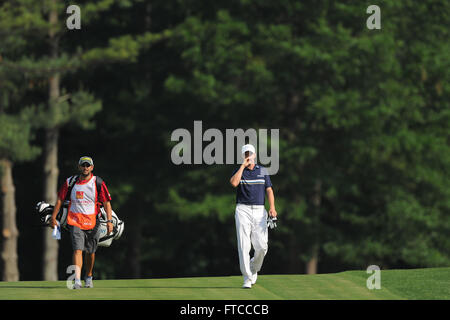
{"x": 99, "y": 182}
{"x": 72, "y": 181}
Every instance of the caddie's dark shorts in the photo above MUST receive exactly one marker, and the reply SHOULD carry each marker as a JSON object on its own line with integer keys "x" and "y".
{"x": 85, "y": 240}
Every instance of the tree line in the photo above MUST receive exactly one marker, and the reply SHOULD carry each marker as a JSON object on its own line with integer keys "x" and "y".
{"x": 363, "y": 119}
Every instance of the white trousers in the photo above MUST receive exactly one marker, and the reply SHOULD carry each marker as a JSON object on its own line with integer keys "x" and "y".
{"x": 251, "y": 229}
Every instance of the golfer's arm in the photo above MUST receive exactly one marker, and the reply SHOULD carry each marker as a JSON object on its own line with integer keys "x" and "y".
{"x": 108, "y": 209}
{"x": 236, "y": 178}
{"x": 270, "y": 197}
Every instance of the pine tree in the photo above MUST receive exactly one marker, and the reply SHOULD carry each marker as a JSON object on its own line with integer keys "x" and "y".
{"x": 39, "y": 46}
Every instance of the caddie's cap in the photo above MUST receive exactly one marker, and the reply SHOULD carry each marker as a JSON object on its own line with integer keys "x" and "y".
{"x": 85, "y": 159}
{"x": 248, "y": 147}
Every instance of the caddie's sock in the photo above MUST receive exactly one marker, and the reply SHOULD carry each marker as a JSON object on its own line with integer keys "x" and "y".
{"x": 78, "y": 281}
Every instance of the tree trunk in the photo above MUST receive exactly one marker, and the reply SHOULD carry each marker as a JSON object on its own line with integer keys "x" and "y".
{"x": 311, "y": 265}
{"x": 10, "y": 233}
{"x": 50, "y": 255}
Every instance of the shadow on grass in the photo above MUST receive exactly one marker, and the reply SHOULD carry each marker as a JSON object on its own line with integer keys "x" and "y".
{"x": 30, "y": 287}
{"x": 167, "y": 287}
{"x": 130, "y": 287}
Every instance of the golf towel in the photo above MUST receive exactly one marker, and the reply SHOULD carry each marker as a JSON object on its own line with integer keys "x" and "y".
{"x": 56, "y": 234}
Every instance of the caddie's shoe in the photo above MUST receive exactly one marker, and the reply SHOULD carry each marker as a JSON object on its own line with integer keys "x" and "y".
{"x": 247, "y": 284}
{"x": 88, "y": 283}
{"x": 254, "y": 277}
{"x": 77, "y": 285}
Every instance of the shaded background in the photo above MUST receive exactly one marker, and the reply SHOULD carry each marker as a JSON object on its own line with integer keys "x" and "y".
{"x": 363, "y": 118}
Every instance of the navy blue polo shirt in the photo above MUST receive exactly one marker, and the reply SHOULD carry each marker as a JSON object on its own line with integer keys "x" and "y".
{"x": 252, "y": 187}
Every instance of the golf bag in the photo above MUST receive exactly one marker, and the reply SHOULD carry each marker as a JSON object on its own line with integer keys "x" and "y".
{"x": 45, "y": 210}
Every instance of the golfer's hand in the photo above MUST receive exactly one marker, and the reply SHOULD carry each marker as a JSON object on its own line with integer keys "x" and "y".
{"x": 246, "y": 162}
{"x": 109, "y": 227}
{"x": 272, "y": 212}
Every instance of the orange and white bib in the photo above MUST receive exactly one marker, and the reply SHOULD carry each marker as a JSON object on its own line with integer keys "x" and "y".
{"x": 82, "y": 207}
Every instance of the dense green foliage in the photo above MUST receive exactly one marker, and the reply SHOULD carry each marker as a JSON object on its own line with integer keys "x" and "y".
{"x": 363, "y": 118}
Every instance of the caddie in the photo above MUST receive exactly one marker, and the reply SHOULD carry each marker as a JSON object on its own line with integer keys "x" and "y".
{"x": 83, "y": 216}
{"x": 253, "y": 183}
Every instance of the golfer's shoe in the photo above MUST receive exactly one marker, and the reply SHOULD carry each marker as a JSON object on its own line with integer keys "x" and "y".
{"x": 247, "y": 284}
{"x": 254, "y": 277}
{"x": 88, "y": 283}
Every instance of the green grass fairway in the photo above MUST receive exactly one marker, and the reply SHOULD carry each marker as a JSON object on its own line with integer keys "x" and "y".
{"x": 423, "y": 284}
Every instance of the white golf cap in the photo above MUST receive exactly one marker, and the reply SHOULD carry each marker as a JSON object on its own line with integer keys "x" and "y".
{"x": 248, "y": 147}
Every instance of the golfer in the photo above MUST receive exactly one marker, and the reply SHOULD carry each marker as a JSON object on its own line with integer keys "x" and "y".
{"x": 252, "y": 182}
{"x": 83, "y": 217}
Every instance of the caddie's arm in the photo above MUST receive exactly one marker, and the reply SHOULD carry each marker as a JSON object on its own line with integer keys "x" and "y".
{"x": 271, "y": 199}
{"x": 236, "y": 178}
{"x": 108, "y": 210}
{"x": 56, "y": 209}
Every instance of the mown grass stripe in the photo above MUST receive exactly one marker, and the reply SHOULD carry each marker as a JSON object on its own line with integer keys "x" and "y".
{"x": 432, "y": 283}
